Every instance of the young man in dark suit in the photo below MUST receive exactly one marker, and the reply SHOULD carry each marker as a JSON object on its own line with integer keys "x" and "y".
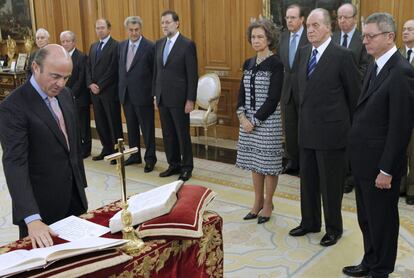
{"x": 136, "y": 62}
{"x": 378, "y": 142}
{"x": 175, "y": 92}
{"x": 42, "y": 158}
{"x": 80, "y": 93}
{"x": 327, "y": 79}
{"x": 290, "y": 43}
{"x": 102, "y": 80}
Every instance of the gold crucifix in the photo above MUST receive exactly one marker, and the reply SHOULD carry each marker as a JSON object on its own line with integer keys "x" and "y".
{"x": 135, "y": 243}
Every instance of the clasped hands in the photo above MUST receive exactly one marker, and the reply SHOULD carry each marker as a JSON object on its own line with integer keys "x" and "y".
{"x": 246, "y": 124}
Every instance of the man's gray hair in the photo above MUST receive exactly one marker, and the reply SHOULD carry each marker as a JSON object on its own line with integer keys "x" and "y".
{"x": 134, "y": 19}
{"x": 70, "y": 33}
{"x": 44, "y": 31}
{"x": 384, "y": 21}
{"x": 326, "y": 16}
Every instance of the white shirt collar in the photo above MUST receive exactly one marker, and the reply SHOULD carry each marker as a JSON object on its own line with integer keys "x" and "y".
{"x": 381, "y": 61}
{"x": 105, "y": 40}
{"x": 174, "y": 38}
{"x": 299, "y": 33}
{"x": 71, "y": 52}
{"x": 136, "y": 43}
{"x": 412, "y": 53}
{"x": 350, "y": 35}
{"x": 321, "y": 48}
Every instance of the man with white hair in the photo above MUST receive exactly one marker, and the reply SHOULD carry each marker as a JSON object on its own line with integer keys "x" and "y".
{"x": 80, "y": 93}
{"x": 42, "y": 39}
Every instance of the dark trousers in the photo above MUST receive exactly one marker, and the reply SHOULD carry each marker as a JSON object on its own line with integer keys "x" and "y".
{"x": 85, "y": 128}
{"x": 175, "y": 126}
{"x": 75, "y": 208}
{"x": 322, "y": 174}
{"x": 378, "y": 219}
{"x": 141, "y": 117}
{"x": 108, "y": 122}
{"x": 290, "y": 112}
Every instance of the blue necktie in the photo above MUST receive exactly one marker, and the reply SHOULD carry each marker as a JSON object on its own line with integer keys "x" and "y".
{"x": 312, "y": 62}
{"x": 166, "y": 51}
{"x": 98, "y": 50}
{"x": 292, "y": 50}
{"x": 345, "y": 41}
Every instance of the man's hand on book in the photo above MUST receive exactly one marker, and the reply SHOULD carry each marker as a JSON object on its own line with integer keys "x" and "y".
{"x": 40, "y": 234}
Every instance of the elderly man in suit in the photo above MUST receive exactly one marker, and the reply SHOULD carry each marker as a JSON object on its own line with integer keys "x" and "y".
{"x": 136, "y": 62}
{"x": 42, "y": 159}
{"x": 80, "y": 93}
{"x": 102, "y": 80}
{"x": 291, "y": 41}
{"x": 378, "y": 142}
{"x": 407, "y": 51}
{"x": 327, "y": 79}
{"x": 350, "y": 37}
{"x": 41, "y": 39}
{"x": 175, "y": 91}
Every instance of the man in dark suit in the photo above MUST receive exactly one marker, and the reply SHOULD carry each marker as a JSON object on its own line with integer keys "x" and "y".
{"x": 102, "y": 80}
{"x": 407, "y": 51}
{"x": 80, "y": 93}
{"x": 136, "y": 62}
{"x": 175, "y": 91}
{"x": 42, "y": 159}
{"x": 350, "y": 37}
{"x": 327, "y": 79}
{"x": 291, "y": 41}
{"x": 378, "y": 141}
{"x": 42, "y": 39}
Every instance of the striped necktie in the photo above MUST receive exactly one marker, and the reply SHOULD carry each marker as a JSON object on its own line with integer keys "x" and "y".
{"x": 312, "y": 62}
{"x": 59, "y": 116}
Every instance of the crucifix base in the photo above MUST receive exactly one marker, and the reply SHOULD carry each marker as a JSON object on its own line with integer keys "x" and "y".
{"x": 128, "y": 232}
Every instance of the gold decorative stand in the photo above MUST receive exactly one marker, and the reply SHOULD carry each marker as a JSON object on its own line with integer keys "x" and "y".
{"x": 128, "y": 232}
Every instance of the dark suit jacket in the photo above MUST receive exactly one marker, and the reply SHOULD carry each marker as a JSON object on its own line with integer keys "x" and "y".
{"x": 176, "y": 81}
{"x": 76, "y": 82}
{"x": 327, "y": 99}
{"x": 362, "y": 58}
{"x": 138, "y": 80}
{"x": 104, "y": 71}
{"x": 39, "y": 168}
{"x": 383, "y": 121}
{"x": 289, "y": 73}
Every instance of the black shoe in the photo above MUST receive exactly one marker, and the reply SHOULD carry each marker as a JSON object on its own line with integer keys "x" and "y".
{"x": 86, "y": 155}
{"x": 263, "y": 219}
{"x": 356, "y": 270}
{"x": 299, "y": 231}
{"x": 329, "y": 239}
{"x": 99, "y": 157}
{"x": 133, "y": 159}
{"x": 148, "y": 167}
{"x": 349, "y": 184}
{"x": 409, "y": 200}
{"x": 185, "y": 176}
{"x": 169, "y": 172}
{"x": 250, "y": 216}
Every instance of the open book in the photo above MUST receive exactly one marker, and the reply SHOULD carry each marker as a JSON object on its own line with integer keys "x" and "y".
{"x": 23, "y": 260}
{"x": 148, "y": 205}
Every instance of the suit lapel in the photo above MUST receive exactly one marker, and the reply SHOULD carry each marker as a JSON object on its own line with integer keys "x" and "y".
{"x": 174, "y": 49}
{"x": 40, "y": 108}
{"x": 304, "y": 60}
{"x": 323, "y": 61}
{"x": 138, "y": 53}
{"x": 104, "y": 50}
{"x": 64, "y": 106}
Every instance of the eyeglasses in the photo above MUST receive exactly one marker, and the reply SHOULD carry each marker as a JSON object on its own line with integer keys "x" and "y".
{"x": 372, "y": 36}
{"x": 345, "y": 17}
{"x": 409, "y": 29}
{"x": 291, "y": 17}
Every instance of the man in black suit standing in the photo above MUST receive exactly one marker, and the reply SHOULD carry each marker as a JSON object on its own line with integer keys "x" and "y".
{"x": 327, "y": 79}
{"x": 291, "y": 41}
{"x": 136, "y": 62}
{"x": 102, "y": 80}
{"x": 42, "y": 159}
{"x": 175, "y": 91}
{"x": 377, "y": 144}
{"x": 80, "y": 93}
{"x": 350, "y": 37}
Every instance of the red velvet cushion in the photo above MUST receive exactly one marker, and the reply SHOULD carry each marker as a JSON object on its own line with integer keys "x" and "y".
{"x": 186, "y": 216}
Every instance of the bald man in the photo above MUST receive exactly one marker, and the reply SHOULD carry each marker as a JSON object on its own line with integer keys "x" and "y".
{"x": 42, "y": 158}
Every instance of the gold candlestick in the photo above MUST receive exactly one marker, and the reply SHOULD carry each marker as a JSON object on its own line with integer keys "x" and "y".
{"x": 128, "y": 232}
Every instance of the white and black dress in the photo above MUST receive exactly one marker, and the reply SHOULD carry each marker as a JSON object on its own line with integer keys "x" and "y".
{"x": 261, "y": 150}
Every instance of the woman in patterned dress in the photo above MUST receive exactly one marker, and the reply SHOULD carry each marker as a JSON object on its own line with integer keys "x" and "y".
{"x": 259, "y": 148}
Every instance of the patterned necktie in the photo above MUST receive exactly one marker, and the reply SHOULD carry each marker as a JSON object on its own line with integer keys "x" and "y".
{"x": 373, "y": 75}
{"x": 312, "y": 62}
{"x": 409, "y": 52}
{"x": 98, "y": 50}
{"x": 292, "y": 50}
{"x": 345, "y": 41}
{"x": 166, "y": 51}
{"x": 59, "y": 116}
{"x": 130, "y": 56}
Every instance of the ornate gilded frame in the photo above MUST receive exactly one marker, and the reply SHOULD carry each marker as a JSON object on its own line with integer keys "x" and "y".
{"x": 18, "y": 30}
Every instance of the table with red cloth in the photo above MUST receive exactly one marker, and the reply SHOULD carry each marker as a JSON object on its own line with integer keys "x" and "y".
{"x": 161, "y": 257}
